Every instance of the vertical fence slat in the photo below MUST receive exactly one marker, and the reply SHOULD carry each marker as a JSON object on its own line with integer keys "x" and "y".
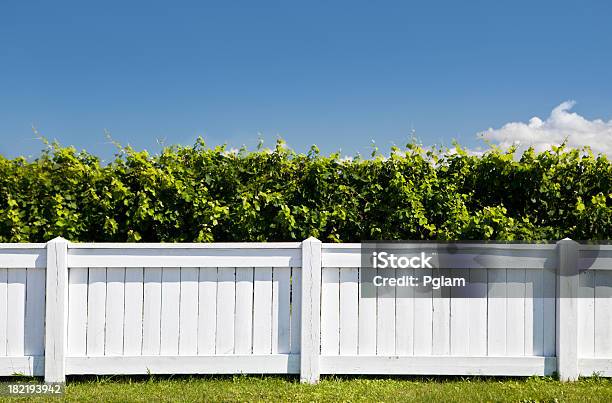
{"x": 35, "y": 313}
{"x": 207, "y": 310}
{"x": 385, "y": 318}
{"x": 586, "y": 315}
{"x": 134, "y": 300}
{"x": 188, "y": 311}
{"x": 404, "y": 317}
{"x": 423, "y": 316}
{"x": 151, "y": 318}
{"x": 549, "y": 307}
{"x": 296, "y": 308}
{"x": 226, "y": 300}
{"x": 603, "y": 314}
{"x": 330, "y": 311}
{"x": 367, "y": 319}
{"x": 515, "y": 312}
{"x": 459, "y": 320}
{"x": 77, "y": 311}
{"x": 441, "y": 320}
{"x": 280, "y": 314}
{"x": 115, "y": 304}
{"x": 477, "y": 317}
{"x": 262, "y": 311}
{"x": 349, "y": 315}
{"x": 244, "y": 310}
{"x": 496, "y": 320}
{"x": 534, "y": 313}
{"x": 170, "y": 297}
{"x": 3, "y": 311}
{"x": 96, "y": 311}
{"x": 16, "y": 280}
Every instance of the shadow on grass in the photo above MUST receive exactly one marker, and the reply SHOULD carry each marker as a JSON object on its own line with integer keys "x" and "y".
{"x": 296, "y": 378}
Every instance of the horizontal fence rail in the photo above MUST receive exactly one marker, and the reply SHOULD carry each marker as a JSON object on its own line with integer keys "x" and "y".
{"x": 299, "y": 308}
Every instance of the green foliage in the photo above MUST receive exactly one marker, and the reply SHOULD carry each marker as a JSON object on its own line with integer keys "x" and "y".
{"x": 202, "y": 194}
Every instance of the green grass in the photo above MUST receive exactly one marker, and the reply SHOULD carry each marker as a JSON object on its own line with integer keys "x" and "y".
{"x": 253, "y": 388}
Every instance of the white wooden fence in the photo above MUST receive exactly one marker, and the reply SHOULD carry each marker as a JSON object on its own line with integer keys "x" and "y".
{"x": 278, "y": 308}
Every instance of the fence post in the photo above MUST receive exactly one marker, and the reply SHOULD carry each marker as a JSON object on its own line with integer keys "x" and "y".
{"x": 567, "y": 310}
{"x": 56, "y": 315}
{"x": 310, "y": 347}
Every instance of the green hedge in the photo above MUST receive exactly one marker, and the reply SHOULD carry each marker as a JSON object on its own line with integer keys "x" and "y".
{"x": 201, "y": 194}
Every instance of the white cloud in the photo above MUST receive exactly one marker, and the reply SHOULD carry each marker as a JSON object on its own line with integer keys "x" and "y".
{"x": 559, "y": 126}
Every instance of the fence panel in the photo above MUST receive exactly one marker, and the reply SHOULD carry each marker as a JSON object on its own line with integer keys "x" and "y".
{"x": 499, "y": 314}
{"x": 173, "y": 311}
{"x": 22, "y": 309}
{"x": 299, "y": 308}
{"x": 595, "y": 310}
{"x": 121, "y": 317}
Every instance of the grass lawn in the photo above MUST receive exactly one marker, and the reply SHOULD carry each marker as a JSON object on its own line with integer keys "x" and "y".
{"x": 254, "y": 388}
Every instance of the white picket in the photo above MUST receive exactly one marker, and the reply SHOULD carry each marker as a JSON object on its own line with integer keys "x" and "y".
{"x": 207, "y": 310}
{"x": 35, "y": 312}
{"x": 586, "y": 315}
{"x": 549, "y": 308}
{"x": 330, "y": 311}
{"x": 280, "y": 309}
{"x": 262, "y": 311}
{"x": 3, "y": 311}
{"x": 296, "y": 308}
{"x": 77, "y": 311}
{"x": 115, "y": 303}
{"x": 459, "y": 316}
{"x": 244, "y": 310}
{"x": 170, "y": 309}
{"x": 188, "y": 311}
{"x": 133, "y": 316}
{"x": 423, "y": 316}
{"x": 534, "y": 313}
{"x": 151, "y": 319}
{"x": 96, "y": 311}
{"x": 367, "y": 320}
{"x": 349, "y": 314}
{"x": 226, "y": 300}
{"x": 496, "y": 326}
{"x": 515, "y": 312}
{"x": 16, "y": 292}
{"x": 404, "y": 316}
{"x": 441, "y": 320}
{"x": 385, "y": 318}
{"x": 477, "y": 312}
{"x": 603, "y": 314}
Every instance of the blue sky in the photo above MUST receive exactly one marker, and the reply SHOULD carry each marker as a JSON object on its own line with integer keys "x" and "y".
{"x": 334, "y": 73}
